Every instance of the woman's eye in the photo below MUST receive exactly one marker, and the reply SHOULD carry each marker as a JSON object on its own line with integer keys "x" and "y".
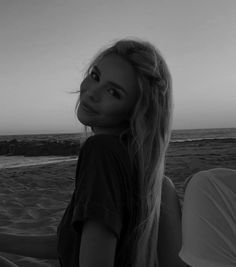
{"x": 94, "y": 76}
{"x": 114, "y": 93}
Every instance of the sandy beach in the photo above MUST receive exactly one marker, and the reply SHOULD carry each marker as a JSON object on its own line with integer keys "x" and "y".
{"x": 33, "y": 198}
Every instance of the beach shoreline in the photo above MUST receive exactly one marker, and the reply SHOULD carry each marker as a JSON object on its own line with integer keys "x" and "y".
{"x": 9, "y": 162}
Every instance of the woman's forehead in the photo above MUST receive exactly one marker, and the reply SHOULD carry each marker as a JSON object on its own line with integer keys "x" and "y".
{"x": 118, "y": 69}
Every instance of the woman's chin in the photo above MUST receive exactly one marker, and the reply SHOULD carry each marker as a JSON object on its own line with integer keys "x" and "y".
{"x": 85, "y": 118}
{"x": 84, "y": 121}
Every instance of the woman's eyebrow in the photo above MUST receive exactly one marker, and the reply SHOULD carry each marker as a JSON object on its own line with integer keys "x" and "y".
{"x": 110, "y": 82}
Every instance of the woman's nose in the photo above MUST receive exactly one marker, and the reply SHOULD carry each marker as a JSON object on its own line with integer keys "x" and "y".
{"x": 93, "y": 94}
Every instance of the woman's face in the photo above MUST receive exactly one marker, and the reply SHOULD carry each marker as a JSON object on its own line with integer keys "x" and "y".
{"x": 108, "y": 95}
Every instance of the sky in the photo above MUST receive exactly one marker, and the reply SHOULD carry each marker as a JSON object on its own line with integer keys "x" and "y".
{"x": 46, "y": 46}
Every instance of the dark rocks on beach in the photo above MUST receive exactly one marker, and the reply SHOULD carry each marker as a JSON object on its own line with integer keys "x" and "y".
{"x": 39, "y": 148}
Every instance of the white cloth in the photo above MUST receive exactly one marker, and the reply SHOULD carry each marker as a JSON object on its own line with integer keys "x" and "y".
{"x": 209, "y": 219}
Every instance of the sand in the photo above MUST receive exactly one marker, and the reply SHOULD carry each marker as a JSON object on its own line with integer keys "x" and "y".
{"x": 32, "y": 202}
{"x": 33, "y": 198}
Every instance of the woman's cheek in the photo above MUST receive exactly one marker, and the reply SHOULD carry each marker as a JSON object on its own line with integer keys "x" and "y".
{"x": 82, "y": 89}
{"x": 119, "y": 112}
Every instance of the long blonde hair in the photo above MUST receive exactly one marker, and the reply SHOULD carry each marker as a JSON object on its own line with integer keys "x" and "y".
{"x": 148, "y": 138}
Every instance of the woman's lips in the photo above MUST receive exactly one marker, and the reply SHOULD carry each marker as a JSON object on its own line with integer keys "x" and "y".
{"x": 88, "y": 108}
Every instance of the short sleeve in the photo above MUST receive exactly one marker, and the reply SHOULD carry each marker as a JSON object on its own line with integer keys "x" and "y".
{"x": 99, "y": 194}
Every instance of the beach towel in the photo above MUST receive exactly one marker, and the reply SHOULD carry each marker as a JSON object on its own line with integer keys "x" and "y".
{"x": 209, "y": 219}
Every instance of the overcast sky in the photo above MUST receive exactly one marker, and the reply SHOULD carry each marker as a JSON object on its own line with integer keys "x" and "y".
{"x": 45, "y": 46}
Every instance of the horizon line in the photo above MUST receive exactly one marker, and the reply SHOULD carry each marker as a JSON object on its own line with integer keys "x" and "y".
{"x": 81, "y": 132}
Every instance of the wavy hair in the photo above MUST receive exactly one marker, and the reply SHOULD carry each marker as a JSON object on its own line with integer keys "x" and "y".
{"x": 148, "y": 138}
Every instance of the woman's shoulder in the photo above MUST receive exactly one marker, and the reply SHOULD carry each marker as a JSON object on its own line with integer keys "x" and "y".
{"x": 104, "y": 143}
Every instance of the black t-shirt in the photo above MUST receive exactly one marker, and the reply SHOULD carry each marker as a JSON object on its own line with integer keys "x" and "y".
{"x": 105, "y": 190}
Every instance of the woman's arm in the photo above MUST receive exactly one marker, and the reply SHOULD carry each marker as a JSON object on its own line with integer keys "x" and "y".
{"x": 30, "y": 246}
{"x": 170, "y": 233}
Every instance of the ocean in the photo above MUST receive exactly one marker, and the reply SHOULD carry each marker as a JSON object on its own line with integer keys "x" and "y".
{"x": 177, "y": 136}
{"x": 202, "y": 134}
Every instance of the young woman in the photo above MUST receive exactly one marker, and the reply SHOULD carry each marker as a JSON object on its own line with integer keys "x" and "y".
{"x": 123, "y": 212}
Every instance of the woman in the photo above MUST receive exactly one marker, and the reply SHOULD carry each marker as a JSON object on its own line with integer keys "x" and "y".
{"x": 122, "y": 211}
